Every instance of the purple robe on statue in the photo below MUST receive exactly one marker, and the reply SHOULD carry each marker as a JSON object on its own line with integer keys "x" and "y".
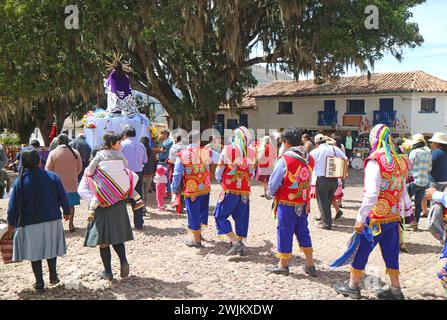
{"x": 119, "y": 95}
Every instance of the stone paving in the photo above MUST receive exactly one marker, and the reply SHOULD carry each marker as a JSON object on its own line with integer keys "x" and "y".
{"x": 162, "y": 267}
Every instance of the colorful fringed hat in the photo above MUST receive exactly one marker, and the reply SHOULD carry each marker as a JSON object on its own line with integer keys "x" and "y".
{"x": 380, "y": 137}
{"x": 242, "y": 139}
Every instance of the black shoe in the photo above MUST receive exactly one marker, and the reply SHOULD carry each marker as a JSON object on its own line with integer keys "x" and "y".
{"x": 39, "y": 287}
{"x": 312, "y": 271}
{"x": 236, "y": 248}
{"x": 388, "y": 295}
{"x": 338, "y": 215}
{"x": 193, "y": 244}
{"x": 124, "y": 270}
{"x": 322, "y": 226}
{"x": 262, "y": 195}
{"x": 345, "y": 290}
{"x": 105, "y": 276}
{"x": 54, "y": 280}
{"x": 278, "y": 270}
{"x": 317, "y": 218}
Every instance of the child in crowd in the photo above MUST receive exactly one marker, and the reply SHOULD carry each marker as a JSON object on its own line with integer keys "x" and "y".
{"x": 5, "y": 183}
{"x": 160, "y": 181}
{"x": 103, "y": 177}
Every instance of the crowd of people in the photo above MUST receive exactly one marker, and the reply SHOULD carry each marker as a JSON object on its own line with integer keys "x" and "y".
{"x": 126, "y": 169}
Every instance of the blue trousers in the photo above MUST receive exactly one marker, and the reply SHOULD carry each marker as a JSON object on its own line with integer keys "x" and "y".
{"x": 236, "y": 206}
{"x": 388, "y": 240}
{"x": 197, "y": 211}
{"x": 292, "y": 220}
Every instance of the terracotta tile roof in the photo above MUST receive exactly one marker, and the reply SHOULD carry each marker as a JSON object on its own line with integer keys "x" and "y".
{"x": 248, "y": 102}
{"x": 396, "y": 82}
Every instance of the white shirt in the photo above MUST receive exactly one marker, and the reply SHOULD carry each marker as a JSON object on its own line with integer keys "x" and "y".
{"x": 321, "y": 153}
{"x": 373, "y": 180}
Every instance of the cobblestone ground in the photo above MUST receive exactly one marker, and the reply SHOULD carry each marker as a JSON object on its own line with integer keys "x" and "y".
{"x": 162, "y": 267}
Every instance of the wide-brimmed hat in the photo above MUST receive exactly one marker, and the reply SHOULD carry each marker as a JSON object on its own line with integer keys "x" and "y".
{"x": 439, "y": 137}
{"x": 320, "y": 138}
{"x": 417, "y": 138}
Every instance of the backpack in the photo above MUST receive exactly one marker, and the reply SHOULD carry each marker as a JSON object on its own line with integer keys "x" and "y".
{"x": 435, "y": 222}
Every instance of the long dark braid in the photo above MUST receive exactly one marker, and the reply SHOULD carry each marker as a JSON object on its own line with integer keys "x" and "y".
{"x": 30, "y": 162}
{"x": 63, "y": 140}
{"x": 21, "y": 221}
{"x": 37, "y": 215}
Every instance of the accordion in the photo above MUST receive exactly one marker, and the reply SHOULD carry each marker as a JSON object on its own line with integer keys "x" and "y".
{"x": 336, "y": 167}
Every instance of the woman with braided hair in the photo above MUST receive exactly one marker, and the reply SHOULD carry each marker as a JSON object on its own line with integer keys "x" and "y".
{"x": 34, "y": 213}
{"x": 67, "y": 164}
{"x": 385, "y": 197}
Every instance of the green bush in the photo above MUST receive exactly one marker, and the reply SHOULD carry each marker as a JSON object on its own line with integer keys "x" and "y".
{"x": 9, "y": 139}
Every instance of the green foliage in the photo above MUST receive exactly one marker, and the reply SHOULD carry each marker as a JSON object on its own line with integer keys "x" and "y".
{"x": 203, "y": 48}
{"x": 8, "y": 138}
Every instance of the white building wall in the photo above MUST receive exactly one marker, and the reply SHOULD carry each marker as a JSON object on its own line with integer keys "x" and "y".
{"x": 305, "y": 112}
{"x": 429, "y": 122}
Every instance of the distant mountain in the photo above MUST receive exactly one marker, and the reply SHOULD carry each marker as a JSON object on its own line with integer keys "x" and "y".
{"x": 264, "y": 78}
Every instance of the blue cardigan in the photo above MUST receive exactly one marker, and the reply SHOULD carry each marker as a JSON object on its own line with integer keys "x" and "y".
{"x": 52, "y": 197}
{"x": 439, "y": 166}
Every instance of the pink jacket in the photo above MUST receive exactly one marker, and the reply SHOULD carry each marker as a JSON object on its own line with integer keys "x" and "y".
{"x": 62, "y": 162}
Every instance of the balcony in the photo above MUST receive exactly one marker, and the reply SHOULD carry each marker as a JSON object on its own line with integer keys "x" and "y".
{"x": 327, "y": 118}
{"x": 386, "y": 118}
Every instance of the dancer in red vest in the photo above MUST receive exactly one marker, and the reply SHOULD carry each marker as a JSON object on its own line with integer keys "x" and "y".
{"x": 290, "y": 185}
{"x": 193, "y": 166}
{"x": 385, "y": 193}
{"x": 234, "y": 171}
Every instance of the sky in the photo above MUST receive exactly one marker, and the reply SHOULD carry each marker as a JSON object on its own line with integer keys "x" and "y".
{"x": 431, "y": 57}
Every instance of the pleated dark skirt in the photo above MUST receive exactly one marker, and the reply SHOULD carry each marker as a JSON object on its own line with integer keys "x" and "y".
{"x": 110, "y": 226}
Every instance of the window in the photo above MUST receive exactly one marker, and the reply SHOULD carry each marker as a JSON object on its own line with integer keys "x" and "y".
{"x": 355, "y": 106}
{"x": 285, "y": 108}
{"x": 428, "y": 105}
{"x": 220, "y": 118}
{"x": 329, "y": 105}
{"x": 231, "y": 123}
{"x": 243, "y": 120}
{"x": 387, "y": 105}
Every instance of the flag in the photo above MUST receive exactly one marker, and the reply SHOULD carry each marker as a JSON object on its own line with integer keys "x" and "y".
{"x": 353, "y": 246}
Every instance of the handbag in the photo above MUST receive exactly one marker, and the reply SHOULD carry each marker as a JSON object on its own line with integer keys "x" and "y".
{"x": 6, "y": 246}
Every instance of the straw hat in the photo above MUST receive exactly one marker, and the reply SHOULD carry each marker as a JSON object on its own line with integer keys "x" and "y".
{"x": 417, "y": 138}
{"x": 320, "y": 138}
{"x": 439, "y": 137}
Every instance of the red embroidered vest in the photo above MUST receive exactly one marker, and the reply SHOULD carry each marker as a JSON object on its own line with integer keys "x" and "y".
{"x": 387, "y": 207}
{"x": 196, "y": 174}
{"x": 238, "y": 169}
{"x": 295, "y": 189}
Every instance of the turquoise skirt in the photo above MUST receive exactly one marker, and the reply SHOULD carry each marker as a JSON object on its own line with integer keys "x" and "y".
{"x": 73, "y": 199}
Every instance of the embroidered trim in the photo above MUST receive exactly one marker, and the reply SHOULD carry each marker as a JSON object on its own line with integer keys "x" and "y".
{"x": 238, "y": 192}
{"x": 194, "y": 231}
{"x": 291, "y": 203}
{"x": 283, "y": 255}
{"x": 195, "y": 194}
{"x": 306, "y": 249}
{"x": 357, "y": 272}
{"x": 392, "y": 272}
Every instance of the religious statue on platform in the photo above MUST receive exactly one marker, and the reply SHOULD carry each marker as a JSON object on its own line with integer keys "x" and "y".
{"x": 119, "y": 94}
